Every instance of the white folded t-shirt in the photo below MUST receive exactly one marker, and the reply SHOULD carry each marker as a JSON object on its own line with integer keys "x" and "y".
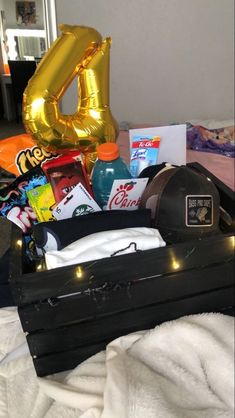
{"x": 105, "y": 244}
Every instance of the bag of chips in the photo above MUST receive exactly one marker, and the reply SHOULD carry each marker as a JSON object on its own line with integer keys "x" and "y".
{"x": 20, "y": 153}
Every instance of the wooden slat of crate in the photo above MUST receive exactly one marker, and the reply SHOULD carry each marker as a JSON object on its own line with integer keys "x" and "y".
{"x": 45, "y": 315}
{"x": 33, "y": 287}
{"x": 94, "y": 331}
{"x": 118, "y": 325}
{"x": 67, "y": 360}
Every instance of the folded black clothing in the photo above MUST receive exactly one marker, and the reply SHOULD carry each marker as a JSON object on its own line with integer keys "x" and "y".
{"x": 56, "y": 235}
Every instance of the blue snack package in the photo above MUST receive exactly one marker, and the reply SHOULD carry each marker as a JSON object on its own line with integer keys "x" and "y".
{"x": 14, "y": 203}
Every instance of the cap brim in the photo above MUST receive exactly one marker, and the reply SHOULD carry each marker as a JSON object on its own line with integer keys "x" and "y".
{"x": 174, "y": 237}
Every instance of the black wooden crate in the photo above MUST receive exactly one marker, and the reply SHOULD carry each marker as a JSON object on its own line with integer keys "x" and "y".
{"x": 71, "y": 313}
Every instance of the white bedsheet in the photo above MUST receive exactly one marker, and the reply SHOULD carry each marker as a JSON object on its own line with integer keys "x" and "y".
{"x": 180, "y": 369}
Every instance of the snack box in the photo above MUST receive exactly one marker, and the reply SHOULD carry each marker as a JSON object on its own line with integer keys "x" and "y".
{"x": 71, "y": 313}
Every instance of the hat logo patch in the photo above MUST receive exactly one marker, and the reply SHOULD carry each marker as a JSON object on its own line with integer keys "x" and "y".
{"x": 199, "y": 210}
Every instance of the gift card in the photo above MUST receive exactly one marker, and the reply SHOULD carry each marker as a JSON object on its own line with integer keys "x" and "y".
{"x": 76, "y": 203}
{"x": 126, "y": 194}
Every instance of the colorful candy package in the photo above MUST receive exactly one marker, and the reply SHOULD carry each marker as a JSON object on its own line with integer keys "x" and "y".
{"x": 42, "y": 201}
{"x": 64, "y": 173}
{"x": 14, "y": 203}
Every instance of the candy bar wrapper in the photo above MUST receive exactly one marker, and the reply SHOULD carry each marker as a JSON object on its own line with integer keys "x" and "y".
{"x": 42, "y": 201}
{"x": 64, "y": 173}
{"x": 14, "y": 203}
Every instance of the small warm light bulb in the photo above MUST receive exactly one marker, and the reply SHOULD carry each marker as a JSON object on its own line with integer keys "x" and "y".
{"x": 232, "y": 239}
{"x": 39, "y": 267}
{"x": 79, "y": 273}
{"x": 19, "y": 243}
{"x": 175, "y": 265}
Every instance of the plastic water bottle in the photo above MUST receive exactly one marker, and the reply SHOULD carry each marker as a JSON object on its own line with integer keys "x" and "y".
{"x": 108, "y": 167}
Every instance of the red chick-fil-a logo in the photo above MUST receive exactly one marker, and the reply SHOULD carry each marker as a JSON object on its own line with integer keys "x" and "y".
{"x": 121, "y": 197}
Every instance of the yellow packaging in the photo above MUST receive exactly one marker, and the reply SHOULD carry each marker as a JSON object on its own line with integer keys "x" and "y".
{"x": 42, "y": 201}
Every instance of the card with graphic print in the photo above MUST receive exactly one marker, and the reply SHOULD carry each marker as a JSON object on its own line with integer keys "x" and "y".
{"x": 126, "y": 194}
{"x": 76, "y": 203}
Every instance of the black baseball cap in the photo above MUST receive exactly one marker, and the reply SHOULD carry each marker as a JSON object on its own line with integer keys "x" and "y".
{"x": 185, "y": 204}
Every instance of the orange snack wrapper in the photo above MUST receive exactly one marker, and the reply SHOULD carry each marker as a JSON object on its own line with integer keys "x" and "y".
{"x": 20, "y": 153}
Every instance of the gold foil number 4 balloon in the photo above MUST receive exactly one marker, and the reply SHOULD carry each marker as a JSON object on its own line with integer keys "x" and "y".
{"x": 77, "y": 51}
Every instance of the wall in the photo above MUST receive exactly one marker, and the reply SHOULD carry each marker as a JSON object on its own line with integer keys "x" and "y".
{"x": 1, "y": 58}
{"x": 170, "y": 60}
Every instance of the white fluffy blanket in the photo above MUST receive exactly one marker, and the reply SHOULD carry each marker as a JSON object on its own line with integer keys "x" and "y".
{"x": 180, "y": 369}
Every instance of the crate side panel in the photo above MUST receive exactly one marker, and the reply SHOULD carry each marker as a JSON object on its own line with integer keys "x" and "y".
{"x": 127, "y": 268}
{"x": 122, "y": 324}
{"x": 121, "y": 297}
